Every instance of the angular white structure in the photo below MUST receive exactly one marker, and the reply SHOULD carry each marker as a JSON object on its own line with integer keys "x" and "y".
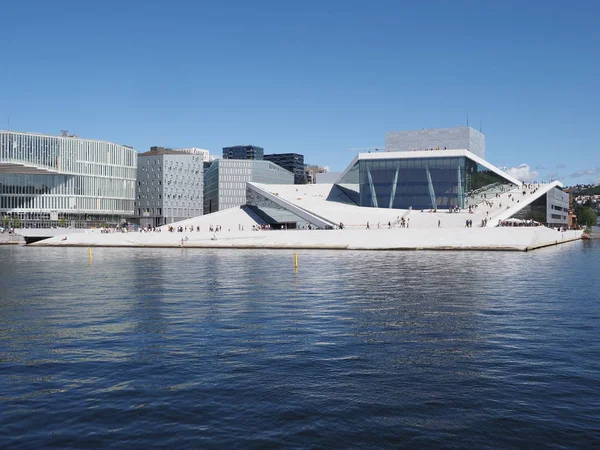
{"x": 436, "y": 199}
{"x": 449, "y": 185}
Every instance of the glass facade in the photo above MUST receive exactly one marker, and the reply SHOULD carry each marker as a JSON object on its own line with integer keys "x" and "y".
{"x": 421, "y": 183}
{"x": 211, "y": 188}
{"x": 243, "y": 152}
{"x": 294, "y": 162}
{"x": 64, "y": 181}
{"x": 272, "y": 213}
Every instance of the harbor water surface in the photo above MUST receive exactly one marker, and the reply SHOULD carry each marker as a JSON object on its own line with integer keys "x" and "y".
{"x": 178, "y": 348}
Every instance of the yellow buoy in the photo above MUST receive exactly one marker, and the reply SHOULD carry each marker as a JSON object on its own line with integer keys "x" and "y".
{"x": 296, "y": 260}
{"x": 90, "y": 254}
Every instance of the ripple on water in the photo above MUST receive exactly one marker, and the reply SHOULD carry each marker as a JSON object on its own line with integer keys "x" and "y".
{"x": 208, "y": 348}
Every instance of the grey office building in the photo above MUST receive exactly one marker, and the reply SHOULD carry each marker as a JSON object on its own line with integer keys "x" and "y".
{"x": 464, "y": 138}
{"x": 243, "y": 152}
{"x": 170, "y": 186}
{"x": 294, "y": 162}
{"x": 225, "y": 181}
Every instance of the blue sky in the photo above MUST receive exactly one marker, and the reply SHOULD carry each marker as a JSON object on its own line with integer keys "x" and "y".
{"x": 314, "y": 77}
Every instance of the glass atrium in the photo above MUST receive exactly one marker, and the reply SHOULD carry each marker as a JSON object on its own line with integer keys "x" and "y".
{"x": 421, "y": 183}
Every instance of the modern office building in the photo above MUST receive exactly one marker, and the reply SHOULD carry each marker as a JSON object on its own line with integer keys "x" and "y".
{"x": 465, "y": 138}
{"x": 225, "y": 181}
{"x": 293, "y": 162}
{"x": 51, "y": 181}
{"x": 243, "y": 152}
{"x": 170, "y": 186}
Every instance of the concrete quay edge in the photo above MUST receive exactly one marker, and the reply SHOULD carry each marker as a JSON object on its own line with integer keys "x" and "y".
{"x": 488, "y": 241}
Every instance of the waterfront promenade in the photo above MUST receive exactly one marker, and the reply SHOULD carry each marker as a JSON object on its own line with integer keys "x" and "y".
{"x": 499, "y": 238}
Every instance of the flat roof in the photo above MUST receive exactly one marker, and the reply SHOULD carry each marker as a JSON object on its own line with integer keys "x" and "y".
{"x": 64, "y": 137}
{"x": 165, "y": 151}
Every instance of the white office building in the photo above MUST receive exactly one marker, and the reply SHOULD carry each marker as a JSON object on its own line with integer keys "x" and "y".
{"x": 64, "y": 181}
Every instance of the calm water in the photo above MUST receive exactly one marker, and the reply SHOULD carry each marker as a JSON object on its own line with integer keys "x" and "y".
{"x": 216, "y": 348}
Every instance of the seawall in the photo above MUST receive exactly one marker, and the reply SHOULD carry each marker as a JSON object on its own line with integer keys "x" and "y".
{"x": 502, "y": 238}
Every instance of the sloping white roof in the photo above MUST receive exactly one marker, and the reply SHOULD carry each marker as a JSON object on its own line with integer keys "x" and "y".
{"x": 312, "y": 199}
{"x": 525, "y": 201}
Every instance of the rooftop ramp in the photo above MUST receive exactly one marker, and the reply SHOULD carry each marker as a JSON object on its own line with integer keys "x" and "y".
{"x": 520, "y": 199}
{"x": 316, "y": 199}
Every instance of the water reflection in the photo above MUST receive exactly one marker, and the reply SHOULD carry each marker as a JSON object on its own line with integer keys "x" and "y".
{"x": 237, "y": 347}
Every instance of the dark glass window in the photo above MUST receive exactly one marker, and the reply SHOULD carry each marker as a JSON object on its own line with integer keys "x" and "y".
{"x": 421, "y": 183}
{"x": 350, "y": 184}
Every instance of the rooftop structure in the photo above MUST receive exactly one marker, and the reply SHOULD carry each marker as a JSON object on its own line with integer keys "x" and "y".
{"x": 436, "y": 139}
{"x": 205, "y": 154}
{"x": 155, "y": 150}
{"x": 243, "y": 152}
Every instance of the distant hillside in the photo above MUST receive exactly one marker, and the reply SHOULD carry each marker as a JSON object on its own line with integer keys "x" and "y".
{"x": 586, "y": 190}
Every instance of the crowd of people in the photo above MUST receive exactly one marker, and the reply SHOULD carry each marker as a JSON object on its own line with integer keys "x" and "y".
{"x": 518, "y": 223}
{"x": 430, "y": 149}
{"x": 219, "y": 228}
